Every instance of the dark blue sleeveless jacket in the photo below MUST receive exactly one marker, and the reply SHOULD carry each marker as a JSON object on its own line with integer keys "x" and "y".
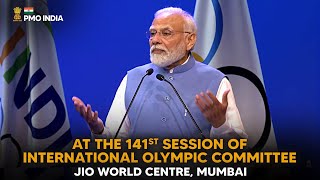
{"x": 158, "y": 112}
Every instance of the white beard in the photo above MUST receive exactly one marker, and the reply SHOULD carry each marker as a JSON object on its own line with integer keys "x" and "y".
{"x": 167, "y": 58}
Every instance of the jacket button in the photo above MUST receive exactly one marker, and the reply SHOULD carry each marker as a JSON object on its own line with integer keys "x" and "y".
{"x": 163, "y": 119}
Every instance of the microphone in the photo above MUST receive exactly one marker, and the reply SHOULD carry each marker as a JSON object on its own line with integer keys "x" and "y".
{"x": 160, "y": 77}
{"x": 148, "y": 73}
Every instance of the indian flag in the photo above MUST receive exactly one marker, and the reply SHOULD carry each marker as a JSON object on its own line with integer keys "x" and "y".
{"x": 28, "y": 10}
{"x": 34, "y": 116}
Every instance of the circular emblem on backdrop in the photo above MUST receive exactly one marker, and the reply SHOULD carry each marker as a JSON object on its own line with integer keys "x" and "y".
{"x": 7, "y": 139}
{"x": 238, "y": 71}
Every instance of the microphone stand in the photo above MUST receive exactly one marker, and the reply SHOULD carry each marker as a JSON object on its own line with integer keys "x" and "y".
{"x": 148, "y": 72}
{"x": 161, "y": 78}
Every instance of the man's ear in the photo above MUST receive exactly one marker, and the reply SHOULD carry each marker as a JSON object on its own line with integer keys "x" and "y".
{"x": 191, "y": 40}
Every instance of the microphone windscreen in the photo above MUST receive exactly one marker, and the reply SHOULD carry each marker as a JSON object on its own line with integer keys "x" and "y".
{"x": 160, "y": 77}
{"x": 149, "y": 71}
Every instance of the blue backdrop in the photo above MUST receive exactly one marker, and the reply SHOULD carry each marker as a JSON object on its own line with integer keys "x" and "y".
{"x": 98, "y": 41}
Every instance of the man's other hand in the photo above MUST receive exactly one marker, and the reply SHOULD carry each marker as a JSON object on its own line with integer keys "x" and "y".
{"x": 92, "y": 119}
{"x": 211, "y": 108}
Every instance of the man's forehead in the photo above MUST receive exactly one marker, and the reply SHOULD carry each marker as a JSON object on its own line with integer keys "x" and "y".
{"x": 167, "y": 22}
{"x": 161, "y": 27}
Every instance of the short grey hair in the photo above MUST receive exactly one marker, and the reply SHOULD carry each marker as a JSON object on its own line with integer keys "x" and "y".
{"x": 189, "y": 26}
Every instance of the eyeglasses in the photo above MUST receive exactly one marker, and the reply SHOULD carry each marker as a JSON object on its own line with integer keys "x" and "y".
{"x": 164, "y": 33}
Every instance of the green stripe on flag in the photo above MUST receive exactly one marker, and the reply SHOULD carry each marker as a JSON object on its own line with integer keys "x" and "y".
{"x": 46, "y": 23}
{"x": 28, "y": 13}
{"x": 18, "y": 64}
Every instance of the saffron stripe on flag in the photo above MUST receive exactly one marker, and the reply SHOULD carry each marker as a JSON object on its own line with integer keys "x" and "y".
{"x": 28, "y": 9}
{"x": 11, "y": 43}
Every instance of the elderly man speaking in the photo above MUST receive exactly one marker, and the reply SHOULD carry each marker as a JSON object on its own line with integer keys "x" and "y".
{"x": 191, "y": 100}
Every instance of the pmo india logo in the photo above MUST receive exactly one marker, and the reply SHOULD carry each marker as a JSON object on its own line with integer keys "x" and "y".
{"x": 31, "y": 15}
